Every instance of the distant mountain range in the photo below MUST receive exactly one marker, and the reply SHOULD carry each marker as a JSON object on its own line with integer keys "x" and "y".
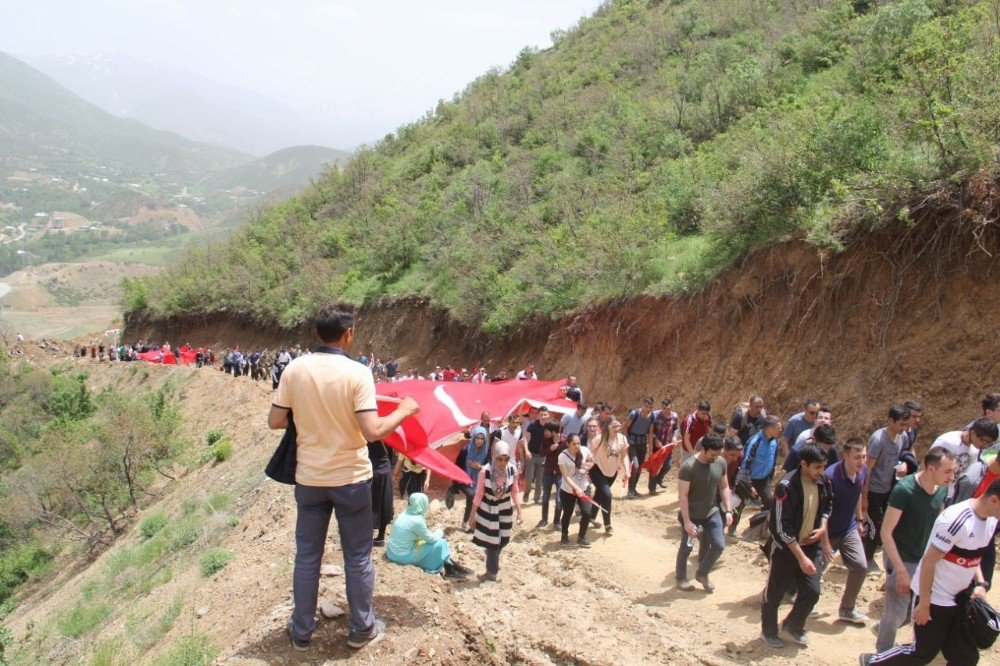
{"x": 62, "y": 157}
{"x": 186, "y": 103}
{"x": 42, "y": 124}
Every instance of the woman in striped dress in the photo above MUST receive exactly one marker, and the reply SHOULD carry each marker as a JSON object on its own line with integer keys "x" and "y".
{"x": 497, "y": 499}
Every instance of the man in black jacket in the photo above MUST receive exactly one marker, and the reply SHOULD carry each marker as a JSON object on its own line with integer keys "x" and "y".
{"x": 803, "y": 500}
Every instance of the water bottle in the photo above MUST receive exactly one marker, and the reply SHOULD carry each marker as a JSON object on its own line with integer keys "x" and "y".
{"x": 692, "y": 539}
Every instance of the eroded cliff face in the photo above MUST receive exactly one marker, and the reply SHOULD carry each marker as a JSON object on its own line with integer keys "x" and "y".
{"x": 906, "y": 312}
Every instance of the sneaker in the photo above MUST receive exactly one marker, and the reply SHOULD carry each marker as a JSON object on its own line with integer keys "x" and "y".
{"x": 483, "y": 577}
{"x": 608, "y": 529}
{"x": 449, "y": 500}
{"x": 705, "y": 582}
{"x": 662, "y": 484}
{"x": 460, "y": 569}
{"x": 301, "y": 645}
{"x": 632, "y": 494}
{"x": 853, "y": 617}
{"x": 772, "y": 641}
{"x": 454, "y": 574}
{"x": 359, "y": 639}
{"x": 865, "y": 659}
{"x": 541, "y": 523}
{"x": 564, "y": 540}
{"x": 685, "y": 585}
{"x": 873, "y": 567}
{"x": 582, "y": 543}
{"x": 653, "y": 490}
{"x": 556, "y": 525}
{"x": 378, "y": 543}
{"x": 814, "y": 615}
{"x": 799, "y": 638}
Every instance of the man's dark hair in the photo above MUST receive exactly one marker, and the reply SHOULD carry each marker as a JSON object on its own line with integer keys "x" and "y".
{"x": 333, "y": 320}
{"x": 770, "y": 421}
{"x": 934, "y": 457}
{"x": 719, "y": 428}
{"x": 898, "y": 413}
{"x": 648, "y": 400}
{"x": 991, "y": 401}
{"x": 853, "y": 444}
{"x": 733, "y": 443}
{"x": 599, "y": 407}
{"x": 711, "y": 442}
{"x": 825, "y": 434}
{"x": 985, "y": 429}
{"x": 552, "y": 426}
{"x": 666, "y": 402}
{"x": 811, "y": 401}
{"x": 812, "y": 454}
{"x": 913, "y": 406}
{"x": 705, "y": 406}
{"x": 581, "y": 405}
{"x": 824, "y": 409}
{"x": 543, "y": 408}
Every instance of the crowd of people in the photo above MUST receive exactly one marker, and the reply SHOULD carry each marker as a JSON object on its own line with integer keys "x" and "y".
{"x": 934, "y": 518}
{"x": 923, "y": 524}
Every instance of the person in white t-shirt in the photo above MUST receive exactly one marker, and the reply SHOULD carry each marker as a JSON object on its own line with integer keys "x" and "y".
{"x": 528, "y": 372}
{"x": 574, "y": 464}
{"x": 950, "y": 565}
{"x": 966, "y": 445}
{"x": 510, "y": 435}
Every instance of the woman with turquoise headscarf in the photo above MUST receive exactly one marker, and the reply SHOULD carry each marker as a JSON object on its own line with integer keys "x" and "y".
{"x": 411, "y": 542}
{"x": 477, "y": 455}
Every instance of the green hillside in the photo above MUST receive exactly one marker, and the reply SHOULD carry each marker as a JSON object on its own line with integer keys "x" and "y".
{"x": 286, "y": 169}
{"x": 655, "y": 143}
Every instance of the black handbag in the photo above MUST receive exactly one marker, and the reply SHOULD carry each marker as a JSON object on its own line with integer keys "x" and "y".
{"x": 980, "y": 623}
{"x": 281, "y": 467}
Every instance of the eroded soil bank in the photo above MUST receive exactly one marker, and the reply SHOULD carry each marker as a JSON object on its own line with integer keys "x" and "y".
{"x": 904, "y": 312}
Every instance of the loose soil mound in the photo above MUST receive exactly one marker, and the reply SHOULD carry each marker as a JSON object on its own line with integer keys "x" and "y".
{"x": 66, "y": 300}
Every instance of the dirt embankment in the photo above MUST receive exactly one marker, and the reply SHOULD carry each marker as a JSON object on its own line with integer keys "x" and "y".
{"x": 905, "y": 312}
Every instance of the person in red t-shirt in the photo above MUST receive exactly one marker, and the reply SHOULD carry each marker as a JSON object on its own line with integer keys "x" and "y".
{"x": 695, "y": 426}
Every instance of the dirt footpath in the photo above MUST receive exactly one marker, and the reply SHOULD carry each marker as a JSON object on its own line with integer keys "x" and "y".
{"x": 615, "y": 603}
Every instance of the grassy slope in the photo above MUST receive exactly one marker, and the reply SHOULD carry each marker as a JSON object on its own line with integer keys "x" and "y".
{"x": 653, "y": 144}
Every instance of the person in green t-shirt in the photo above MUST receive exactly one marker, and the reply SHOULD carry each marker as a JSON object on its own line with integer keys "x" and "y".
{"x": 914, "y": 505}
{"x": 703, "y": 486}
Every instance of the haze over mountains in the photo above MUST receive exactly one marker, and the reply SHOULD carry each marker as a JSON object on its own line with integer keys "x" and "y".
{"x": 78, "y": 182}
{"x": 184, "y": 102}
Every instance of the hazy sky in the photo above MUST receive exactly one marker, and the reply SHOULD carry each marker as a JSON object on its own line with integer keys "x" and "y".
{"x": 374, "y": 64}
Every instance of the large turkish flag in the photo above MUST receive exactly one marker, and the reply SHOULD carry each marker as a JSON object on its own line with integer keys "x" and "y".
{"x": 448, "y": 408}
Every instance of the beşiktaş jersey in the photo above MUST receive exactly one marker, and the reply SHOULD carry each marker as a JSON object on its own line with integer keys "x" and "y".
{"x": 962, "y": 536}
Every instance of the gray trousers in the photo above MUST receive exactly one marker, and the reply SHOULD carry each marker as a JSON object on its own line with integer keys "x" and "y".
{"x": 534, "y": 474}
{"x": 897, "y": 608}
{"x": 353, "y": 506}
{"x": 852, "y": 553}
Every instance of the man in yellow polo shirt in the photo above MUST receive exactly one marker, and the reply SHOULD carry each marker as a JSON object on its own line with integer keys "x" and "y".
{"x": 332, "y": 399}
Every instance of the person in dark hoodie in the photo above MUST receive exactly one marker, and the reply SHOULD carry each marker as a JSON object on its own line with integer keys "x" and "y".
{"x": 803, "y": 500}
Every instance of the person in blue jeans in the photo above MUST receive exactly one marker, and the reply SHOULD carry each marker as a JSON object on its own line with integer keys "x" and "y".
{"x": 759, "y": 457}
{"x": 552, "y": 446}
{"x": 333, "y": 399}
{"x": 703, "y": 486}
